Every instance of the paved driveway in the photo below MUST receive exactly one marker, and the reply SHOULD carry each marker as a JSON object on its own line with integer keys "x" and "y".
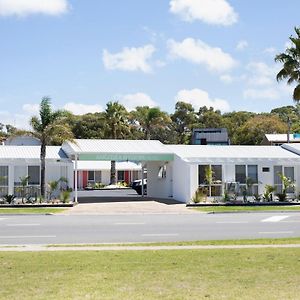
{"x": 126, "y": 201}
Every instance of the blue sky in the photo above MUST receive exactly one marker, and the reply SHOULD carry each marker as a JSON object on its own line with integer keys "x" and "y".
{"x": 85, "y": 53}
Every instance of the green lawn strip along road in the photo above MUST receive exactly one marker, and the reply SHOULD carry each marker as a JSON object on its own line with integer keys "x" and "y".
{"x": 279, "y": 241}
{"x": 247, "y": 208}
{"x": 31, "y": 210}
{"x": 177, "y": 274}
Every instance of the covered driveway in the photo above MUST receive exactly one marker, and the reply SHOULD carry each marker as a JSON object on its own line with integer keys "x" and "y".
{"x": 153, "y": 155}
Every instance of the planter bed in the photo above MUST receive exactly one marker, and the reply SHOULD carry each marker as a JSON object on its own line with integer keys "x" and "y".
{"x": 276, "y": 203}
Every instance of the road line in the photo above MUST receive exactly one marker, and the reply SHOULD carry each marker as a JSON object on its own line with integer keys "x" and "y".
{"x": 275, "y": 219}
{"x": 274, "y": 232}
{"x": 13, "y": 225}
{"x": 128, "y": 223}
{"x": 160, "y": 234}
{"x": 233, "y": 222}
{"x": 26, "y": 236}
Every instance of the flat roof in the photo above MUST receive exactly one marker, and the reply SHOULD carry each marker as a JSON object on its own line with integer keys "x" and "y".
{"x": 31, "y": 152}
{"x": 281, "y": 137}
{"x": 215, "y": 153}
{"x": 118, "y": 150}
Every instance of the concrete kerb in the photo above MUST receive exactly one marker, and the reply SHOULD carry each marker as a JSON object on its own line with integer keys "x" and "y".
{"x": 46, "y": 248}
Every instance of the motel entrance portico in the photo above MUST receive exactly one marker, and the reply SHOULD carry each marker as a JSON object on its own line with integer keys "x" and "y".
{"x": 150, "y": 153}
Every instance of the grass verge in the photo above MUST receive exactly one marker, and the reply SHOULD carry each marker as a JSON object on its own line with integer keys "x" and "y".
{"x": 247, "y": 208}
{"x": 31, "y": 210}
{"x": 189, "y": 274}
{"x": 279, "y": 241}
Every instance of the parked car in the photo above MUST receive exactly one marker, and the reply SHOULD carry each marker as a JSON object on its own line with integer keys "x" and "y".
{"x": 137, "y": 186}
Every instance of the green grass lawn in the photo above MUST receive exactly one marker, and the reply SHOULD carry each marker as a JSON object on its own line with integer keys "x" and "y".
{"x": 278, "y": 241}
{"x": 176, "y": 274}
{"x": 31, "y": 210}
{"x": 247, "y": 208}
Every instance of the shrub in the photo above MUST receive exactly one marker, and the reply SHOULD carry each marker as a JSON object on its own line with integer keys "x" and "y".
{"x": 9, "y": 198}
{"x": 65, "y": 196}
{"x": 200, "y": 195}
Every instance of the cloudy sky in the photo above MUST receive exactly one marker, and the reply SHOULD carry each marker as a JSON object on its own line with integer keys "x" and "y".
{"x": 83, "y": 54}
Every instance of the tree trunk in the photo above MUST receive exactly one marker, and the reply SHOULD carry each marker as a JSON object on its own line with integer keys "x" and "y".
{"x": 113, "y": 177}
{"x": 43, "y": 170}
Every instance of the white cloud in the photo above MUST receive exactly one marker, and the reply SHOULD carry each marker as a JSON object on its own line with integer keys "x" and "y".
{"x": 31, "y": 108}
{"x": 28, "y": 7}
{"x": 226, "y": 78}
{"x": 129, "y": 59}
{"x": 261, "y": 74}
{"x": 131, "y": 101}
{"x": 241, "y": 45}
{"x": 81, "y": 109}
{"x": 268, "y": 93}
{"x": 198, "y": 52}
{"x": 270, "y": 50}
{"x": 199, "y": 98}
{"x": 218, "y": 12}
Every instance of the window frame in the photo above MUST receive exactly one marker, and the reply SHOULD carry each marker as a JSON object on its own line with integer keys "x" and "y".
{"x": 215, "y": 189}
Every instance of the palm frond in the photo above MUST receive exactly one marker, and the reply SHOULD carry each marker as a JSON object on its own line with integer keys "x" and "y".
{"x": 296, "y": 94}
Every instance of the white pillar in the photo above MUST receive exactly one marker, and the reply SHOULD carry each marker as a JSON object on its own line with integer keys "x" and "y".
{"x": 75, "y": 184}
{"x": 142, "y": 180}
{"x": 11, "y": 179}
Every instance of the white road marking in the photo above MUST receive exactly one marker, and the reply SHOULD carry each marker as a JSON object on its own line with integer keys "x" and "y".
{"x": 128, "y": 223}
{"x": 160, "y": 234}
{"x": 3, "y": 219}
{"x": 275, "y": 232}
{"x": 275, "y": 219}
{"x": 13, "y": 225}
{"x": 26, "y": 236}
{"x": 233, "y": 222}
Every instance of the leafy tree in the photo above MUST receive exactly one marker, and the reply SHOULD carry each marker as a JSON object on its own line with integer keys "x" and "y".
{"x": 234, "y": 120}
{"x": 48, "y": 127}
{"x": 148, "y": 120}
{"x": 254, "y": 130}
{"x": 184, "y": 118}
{"x": 209, "y": 118}
{"x": 116, "y": 127}
{"x": 291, "y": 64}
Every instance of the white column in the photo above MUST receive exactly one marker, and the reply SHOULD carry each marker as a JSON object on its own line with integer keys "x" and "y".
{"x": 142, "y": 180}
{"x": 75, "y": 184}
{"x": 11, "y": 175}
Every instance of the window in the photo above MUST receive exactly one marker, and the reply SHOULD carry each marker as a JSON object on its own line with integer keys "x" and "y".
{"x": 121, "y": 176}
{"x": 247, "y": 177}
{"x": 210, "y": 177}
{"x": 265, "y": 169}
{"x": 19, "y": 172}
{"x": 3, "y": 176}
{"x": 3, "y": 180}
{"x": 286, "y": 171}
{"x": 34, "y": 175}
{"x": 91, "y": 176}
{"x": 162, "y": 172}
{"x": 240, "y": 173}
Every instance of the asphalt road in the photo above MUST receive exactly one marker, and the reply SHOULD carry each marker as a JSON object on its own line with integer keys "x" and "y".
{"x": 62, "y": 229}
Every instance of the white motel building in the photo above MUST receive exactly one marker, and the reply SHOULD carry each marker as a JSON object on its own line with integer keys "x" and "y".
{"x": 173, "y": 171}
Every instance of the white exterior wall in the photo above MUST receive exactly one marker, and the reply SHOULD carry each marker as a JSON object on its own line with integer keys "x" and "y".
{"x": 159, "y": 187}
{"x": 185, "y": 176}
{"x": 53, "y": 170}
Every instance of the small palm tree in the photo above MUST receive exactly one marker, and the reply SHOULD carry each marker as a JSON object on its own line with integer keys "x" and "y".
{"x": 291, "y": 64}
{"x": 49, "y": 127}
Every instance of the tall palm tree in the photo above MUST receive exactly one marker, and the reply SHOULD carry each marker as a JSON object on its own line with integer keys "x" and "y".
{"x": 49, "y": 127}
{"x": 291, "y": 64}
{"x": 149, "y": 119}
{"x": 117, "y": 127}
